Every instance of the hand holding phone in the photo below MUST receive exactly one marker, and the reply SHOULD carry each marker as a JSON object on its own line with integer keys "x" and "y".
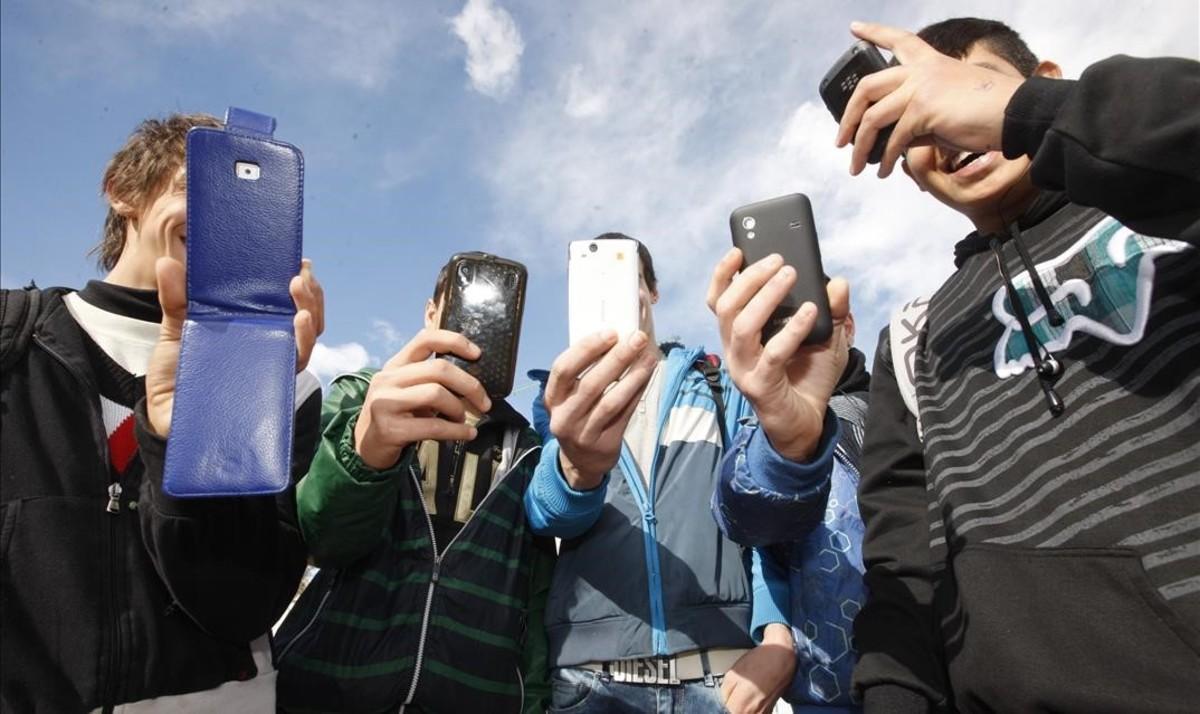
{"x": 785, "y": 226}
{"x": 485, "y": 300}
{"x": 840, "y": 81}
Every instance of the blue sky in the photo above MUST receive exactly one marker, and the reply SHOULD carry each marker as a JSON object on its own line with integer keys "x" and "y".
{"x": 500, "y": 125}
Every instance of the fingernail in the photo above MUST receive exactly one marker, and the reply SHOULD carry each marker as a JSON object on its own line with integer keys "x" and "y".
{"x": 856, "y": 25}
{"x": 474, "y": 433}
{"x": 786, "y": 272}
{"x": 487, "y": 404}
{"x": 639, "y": 340}
{"x": 775, "y": 259}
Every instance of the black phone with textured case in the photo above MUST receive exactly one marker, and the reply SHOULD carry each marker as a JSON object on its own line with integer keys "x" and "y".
{"x": 785, "y": 226}
{"x": 838, "y": 85}
{"x": 485, "y": 301}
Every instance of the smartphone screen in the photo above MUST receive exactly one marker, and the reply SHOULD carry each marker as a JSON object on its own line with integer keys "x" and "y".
{"x": 838, "y": 85}
{"x": 785, "y": 226}
{"x": 485, "y": 301}
{"x": 602, "y": 287}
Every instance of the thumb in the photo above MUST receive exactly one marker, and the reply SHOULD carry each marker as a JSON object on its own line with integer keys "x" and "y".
{"x": 838, "y": 291}
{"x": 172, "y": 295}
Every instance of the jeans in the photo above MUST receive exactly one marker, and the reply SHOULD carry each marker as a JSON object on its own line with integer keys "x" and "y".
{"x": 582, "y": 691}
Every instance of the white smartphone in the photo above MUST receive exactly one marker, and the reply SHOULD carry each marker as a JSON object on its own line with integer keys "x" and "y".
{"x": 602, "y": 287}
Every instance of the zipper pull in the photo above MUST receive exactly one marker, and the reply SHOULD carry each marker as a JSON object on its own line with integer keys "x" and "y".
{"x": 437, "y": 564}
{"x": 114, "y": 498}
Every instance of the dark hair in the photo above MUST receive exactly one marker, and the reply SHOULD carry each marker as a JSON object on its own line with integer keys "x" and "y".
{"x": 643, "y": 255}
{"x": 956, "y": 37}
{"x": 439, "y": 287}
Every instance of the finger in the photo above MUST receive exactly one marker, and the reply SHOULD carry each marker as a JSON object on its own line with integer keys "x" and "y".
{"x": 881, "y": 115}
{"x": 728, "y": 686}
{"x": 413, "y": 429}
{"x": 616, "y": 406}
{"x": 317, "y": 292}
{"x": 610, "y": 368}
{"x": 172, "y": 296}
{"x": 904, "y": 135}
{"x": 441, "y": 372}
{"x": 431, "y": 341}
{"x": 722, "y": 276}
{"x": 885, "y": 36}
{"x": 784, "y": 344}
{"x": 838, "y": 291}
{"x": 564, "y": 373}
{"x": 870, "y": 89}
{"x": 306, "y": 337}
{"x": 743, "y": 288}
{"x": 746, "y": 331}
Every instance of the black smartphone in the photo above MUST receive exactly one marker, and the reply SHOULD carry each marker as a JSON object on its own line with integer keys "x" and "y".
{"x": 485, "y": 301}
{"x": 838, "y": 85}
{"x": 785, "y": 226}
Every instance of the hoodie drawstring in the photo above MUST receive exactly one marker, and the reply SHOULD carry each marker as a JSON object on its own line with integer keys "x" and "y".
{"x": 1048, "y": 368}
{"x": 1052, "y": 313}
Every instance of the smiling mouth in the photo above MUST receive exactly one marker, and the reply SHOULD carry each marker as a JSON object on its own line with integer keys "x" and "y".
{"x": 962, "y": 160}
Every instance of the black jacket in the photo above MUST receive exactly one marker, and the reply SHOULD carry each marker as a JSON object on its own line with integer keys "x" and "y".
{"x": 161, "y": 597}
{"x": 1021, "y": 561}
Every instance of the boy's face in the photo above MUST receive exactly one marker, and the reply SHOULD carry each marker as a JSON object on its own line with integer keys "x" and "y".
{"x": 971, "y": 183}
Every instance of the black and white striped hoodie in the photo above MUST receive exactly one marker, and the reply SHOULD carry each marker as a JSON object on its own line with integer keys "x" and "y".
{"x": 1037, "y": 547}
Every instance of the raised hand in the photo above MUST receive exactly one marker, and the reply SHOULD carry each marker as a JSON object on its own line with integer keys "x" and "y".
{"x": 788, "y": 385}
{"x": 589, "y": 411}
{"x": 414, "y": 398}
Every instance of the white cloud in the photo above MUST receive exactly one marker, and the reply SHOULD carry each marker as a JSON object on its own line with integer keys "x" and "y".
{"x": 494, "y": 46}
{"x": 658, "y": 123}
{"x": 328, "y": 361}
{"x": 386, "y": 334}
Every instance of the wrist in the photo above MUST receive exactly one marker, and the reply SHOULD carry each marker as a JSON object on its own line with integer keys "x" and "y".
{"x": 778, "y": 633}
{"x": 368, "y": 448}
{"x": 576, "y": 478}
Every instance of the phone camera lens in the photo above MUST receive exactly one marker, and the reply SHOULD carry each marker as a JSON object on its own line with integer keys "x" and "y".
{"x": 593, "y": 248}
{"x": 748, "y": 222}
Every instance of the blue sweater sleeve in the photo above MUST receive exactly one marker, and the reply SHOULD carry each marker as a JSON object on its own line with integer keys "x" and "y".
{"x": 552, "y": 507}
{"x": 763, "y": 498}
{"x": 772, "y": 593}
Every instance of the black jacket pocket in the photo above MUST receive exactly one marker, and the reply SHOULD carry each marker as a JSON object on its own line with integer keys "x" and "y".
{"x": 1039, "y": 630}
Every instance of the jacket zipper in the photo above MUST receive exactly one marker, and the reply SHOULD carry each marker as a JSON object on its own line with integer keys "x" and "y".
{"x": 311, "y": 621}
{"x": 437, "y": 564}
{"x": 108, "y": 688}
{"x": 645, "y": 501}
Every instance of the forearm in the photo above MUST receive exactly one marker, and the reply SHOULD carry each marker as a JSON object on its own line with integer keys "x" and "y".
{"x": 552, "y": 507}
{"x": 763, "y": 498}
{"x": 1123, "y": 138}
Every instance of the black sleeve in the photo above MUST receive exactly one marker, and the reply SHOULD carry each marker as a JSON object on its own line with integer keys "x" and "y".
{"x": 1124, "y": 138}
{"x": 900, "y": 661}
{"x": 232, "y": 564}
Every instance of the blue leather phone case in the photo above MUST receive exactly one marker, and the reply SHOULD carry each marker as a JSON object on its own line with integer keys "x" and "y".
{"x": 232, "y": 421}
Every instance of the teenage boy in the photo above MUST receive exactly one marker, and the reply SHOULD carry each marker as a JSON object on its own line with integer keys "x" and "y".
{"x": 1032, "y": 539}
{"x": 805, "y": 529}
{"x": 115, "y": 593}
{"x": 432, "y": 586}
{"x": 650, "y": 605}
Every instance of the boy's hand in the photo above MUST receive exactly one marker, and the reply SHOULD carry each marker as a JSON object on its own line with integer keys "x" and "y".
{"x": 762, "y": 675}
{"x": 589, "y": 412}
{"x": 414, "y": 398}
{"x": 929, "y": 96}
{"x": 788, "y": 385}
{"x": 172, "y": 295}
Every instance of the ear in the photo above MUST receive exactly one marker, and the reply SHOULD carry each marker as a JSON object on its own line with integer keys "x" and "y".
{"x": 121, "y": 207}
{"x": 1046, "y": 68}
{"x": 431, "y": 313}
{"x": 653, "y": 297}
{"x": 849, "y": 329}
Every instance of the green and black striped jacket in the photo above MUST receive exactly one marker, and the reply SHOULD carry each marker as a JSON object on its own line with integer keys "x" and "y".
{"x": 438, "y": 610}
